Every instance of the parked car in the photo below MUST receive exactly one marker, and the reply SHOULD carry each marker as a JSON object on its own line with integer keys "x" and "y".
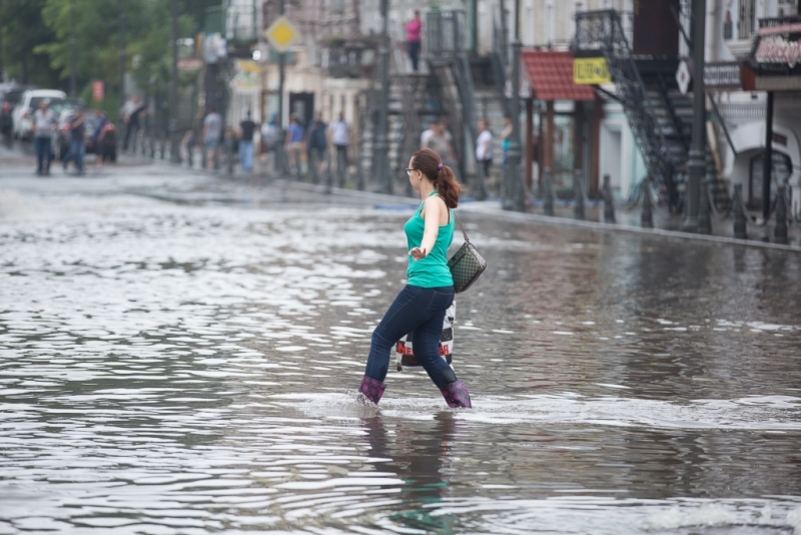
{"x": 23, "y": 112}
{"x": 11, "y": 93}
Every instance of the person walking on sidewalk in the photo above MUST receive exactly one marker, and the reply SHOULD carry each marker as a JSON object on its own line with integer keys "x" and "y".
{"x": 484, "y": 149}
{"x": 316, "y": 145}
{"x": 413, "y": 30}
{"x": 105, "y": 139}
{"x": 270, "y": 137}
{"x": 420, "y": 307}
{"x": 131, "y": 112}
{"x": 246, "y": 130}
{"x": 340, "y": 137}
{"x": 212, "y": 134}
{"x": 77, "y": 146}
{"x": 441, "y": 142}
{"x": 294, "y": 144}
{"x": 44, "y": 122}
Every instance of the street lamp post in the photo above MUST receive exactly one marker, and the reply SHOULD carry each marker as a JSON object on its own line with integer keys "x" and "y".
{"x": 280, "y": 156}
{"x": 696, "y": 165}
{"x": 513, "y": 195}
{"x": 122, "y": 52}
{"x": 73, "y": 43}
{"x": 381, "y": 145}
{"x": 175, "y": 144}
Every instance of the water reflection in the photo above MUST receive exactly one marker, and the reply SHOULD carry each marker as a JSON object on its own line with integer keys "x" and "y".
{"x": 186, "y": 368}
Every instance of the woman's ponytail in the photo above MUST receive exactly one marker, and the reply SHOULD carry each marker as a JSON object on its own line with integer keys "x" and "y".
{"x": 442, "y": 176}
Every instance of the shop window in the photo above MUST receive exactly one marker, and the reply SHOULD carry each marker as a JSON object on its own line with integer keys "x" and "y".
{"x": 747, "y": 18}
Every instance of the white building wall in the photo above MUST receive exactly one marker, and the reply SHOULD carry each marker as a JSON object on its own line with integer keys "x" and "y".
{"x": 744, "y": 112}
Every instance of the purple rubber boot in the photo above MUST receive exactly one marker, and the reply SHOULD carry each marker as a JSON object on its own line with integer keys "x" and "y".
{"x": 457, "y": 396}
{"x": 371, "y": 390}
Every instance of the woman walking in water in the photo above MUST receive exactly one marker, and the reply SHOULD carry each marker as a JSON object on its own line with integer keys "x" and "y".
{"x": 420, "y": 307}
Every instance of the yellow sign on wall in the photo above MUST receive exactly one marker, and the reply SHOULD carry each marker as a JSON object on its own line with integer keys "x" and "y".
{"x": 591, "y": 71}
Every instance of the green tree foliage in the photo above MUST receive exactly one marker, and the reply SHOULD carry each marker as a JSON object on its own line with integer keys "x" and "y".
{"x": 22, "y": 29}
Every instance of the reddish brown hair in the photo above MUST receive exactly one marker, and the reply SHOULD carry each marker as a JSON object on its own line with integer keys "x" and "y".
{"x": 430, "y": 164}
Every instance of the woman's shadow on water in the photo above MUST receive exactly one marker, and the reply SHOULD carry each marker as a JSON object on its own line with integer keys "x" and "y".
{"x": 419, "y": 452}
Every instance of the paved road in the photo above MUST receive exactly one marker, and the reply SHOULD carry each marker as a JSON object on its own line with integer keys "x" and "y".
{"x": 179, "y": 354}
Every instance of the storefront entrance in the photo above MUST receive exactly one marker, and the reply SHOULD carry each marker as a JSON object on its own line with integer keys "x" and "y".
{"x": 781, "y": 170}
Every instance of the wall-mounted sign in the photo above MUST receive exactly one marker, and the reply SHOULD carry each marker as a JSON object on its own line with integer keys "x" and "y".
{"x": 190, "y": 64}
{"x": 98, "y": 90}
{"x": 591, "y": 71}
{"x": 282, "y": 33}
{"x": 723, "y": 76}
{"x": 683, "y": 77}
{"x": 777, "y": 49}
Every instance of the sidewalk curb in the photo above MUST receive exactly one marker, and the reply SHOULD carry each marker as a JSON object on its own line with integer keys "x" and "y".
{"x": 474, "y": 208}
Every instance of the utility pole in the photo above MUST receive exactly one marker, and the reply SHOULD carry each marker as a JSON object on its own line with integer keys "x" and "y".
{"x": 73, "y": 44}
{"x": 513, "y": 194}
{"x": 122, "y": 52}
{"x": 280, "y": 159}
{"x": 175, "y": 143}
{"x": 381, "y": 145}
{"x": 281, "y": 78}
{"x": 767, "y": 158}
{"x": 696, "y": 165}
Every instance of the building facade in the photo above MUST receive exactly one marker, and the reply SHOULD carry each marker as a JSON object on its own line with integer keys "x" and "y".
{"x": 732, "y": 28}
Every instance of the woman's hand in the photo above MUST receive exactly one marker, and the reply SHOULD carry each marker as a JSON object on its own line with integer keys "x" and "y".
{"x": 418, "y": 253}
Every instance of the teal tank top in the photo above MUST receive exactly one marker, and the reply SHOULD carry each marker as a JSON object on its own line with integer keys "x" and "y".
{"x": 431, "y": 271}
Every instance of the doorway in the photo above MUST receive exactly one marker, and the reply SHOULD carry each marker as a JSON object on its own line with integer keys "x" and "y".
{"x": 301, "y": 105}
{"x": 781, "y": 170}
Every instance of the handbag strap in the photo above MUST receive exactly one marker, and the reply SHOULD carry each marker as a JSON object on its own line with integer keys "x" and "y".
{"x": 464, "y": 233}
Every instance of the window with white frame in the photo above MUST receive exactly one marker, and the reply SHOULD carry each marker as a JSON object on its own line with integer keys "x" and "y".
{"x": 746, "y": 20}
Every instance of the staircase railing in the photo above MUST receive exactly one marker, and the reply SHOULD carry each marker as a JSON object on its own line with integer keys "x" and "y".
{"x": 447, "y": 47}
{"x": 603, "y": 31}
{"x": 408, "y": 86}
{"x": 499, "y": 66}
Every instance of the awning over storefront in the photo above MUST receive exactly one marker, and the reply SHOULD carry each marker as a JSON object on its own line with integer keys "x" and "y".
{"x": 551, "y": 75}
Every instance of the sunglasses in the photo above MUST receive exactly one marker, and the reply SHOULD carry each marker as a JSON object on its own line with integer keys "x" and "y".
{"x": 409, "y": 170}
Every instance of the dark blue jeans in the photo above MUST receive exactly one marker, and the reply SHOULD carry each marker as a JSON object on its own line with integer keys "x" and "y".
{"x": 76, "y": 152}
{"x": 419, "y": 311}
{"x": 41, "y": 145}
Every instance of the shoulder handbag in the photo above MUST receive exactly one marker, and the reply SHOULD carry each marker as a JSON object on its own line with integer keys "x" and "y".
{"x": 466, "y": 264}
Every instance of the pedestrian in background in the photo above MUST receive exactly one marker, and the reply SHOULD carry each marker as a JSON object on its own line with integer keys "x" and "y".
{"x": 441, "y": 142}
{"x": 420, "y": 307}
{"x": 506, "y": 138}
{"x": 105, "y": 139}
{"x": 212, "y": 134}
{"x": 77, "y": 147}
{"x": 413, "y": 30}
{"x": 43, "y": 124}
{"x": 340, "y": 137}
{"x": 131, "y": 112}
{"x": 294, "y": 144}
{"x": 6, "y": 122}
{"x": 316, "y": 145}
{"x": 270, "y": 137}
{"x": 246, "y": 130}
{"x": 484, "y": 149}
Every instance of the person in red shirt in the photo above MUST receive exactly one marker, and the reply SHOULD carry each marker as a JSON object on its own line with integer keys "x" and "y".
{"x": 413, "y": 31}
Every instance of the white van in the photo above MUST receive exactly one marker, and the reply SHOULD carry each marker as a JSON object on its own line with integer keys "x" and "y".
{"x": 23, "y": 112}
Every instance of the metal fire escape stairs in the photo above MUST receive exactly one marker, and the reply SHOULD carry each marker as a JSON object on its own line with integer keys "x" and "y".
{"x": 660, "y": 116}
{"x": 445, "y": 89}
{"x": 658, "y": 143}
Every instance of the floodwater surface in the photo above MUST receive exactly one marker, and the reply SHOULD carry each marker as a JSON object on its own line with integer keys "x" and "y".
{"x": 173, "y": 361}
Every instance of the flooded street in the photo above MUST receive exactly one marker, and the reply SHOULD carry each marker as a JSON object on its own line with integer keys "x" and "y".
{"x": 180, "y": 355}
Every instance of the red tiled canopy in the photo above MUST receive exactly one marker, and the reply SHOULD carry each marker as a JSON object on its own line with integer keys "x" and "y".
{"x": 551, "y": 75}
